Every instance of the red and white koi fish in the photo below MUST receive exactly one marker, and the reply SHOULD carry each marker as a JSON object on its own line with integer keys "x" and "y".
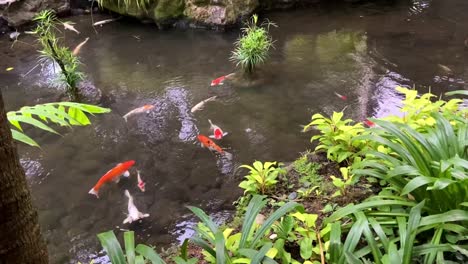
{"x": 113, "y": 175}
{"x": 139, "y": 110}
{"x": 220, "y": 80}
{"x": 141, "y": 183}
{"x": 342, "y": 97}
{"x": 133, "y": 213}
{"x": 69, "y": 25}
{"x": 368, "y": 123}
{"x": 77, "y": 49}
{"x": 208, "y": 143}
{"x": 217, "y": 131}
{"x": 201, "y": 104}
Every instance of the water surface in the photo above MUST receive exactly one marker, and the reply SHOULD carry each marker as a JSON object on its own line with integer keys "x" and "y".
{"x": 359, "y": 50}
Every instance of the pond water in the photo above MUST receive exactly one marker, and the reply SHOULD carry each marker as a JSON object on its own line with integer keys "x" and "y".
{"x": 362, "y": 51}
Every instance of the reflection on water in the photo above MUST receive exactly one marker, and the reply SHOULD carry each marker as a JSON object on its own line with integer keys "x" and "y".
{"x": 360, "y": 51}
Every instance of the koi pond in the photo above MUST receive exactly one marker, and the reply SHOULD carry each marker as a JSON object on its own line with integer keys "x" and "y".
{"x": 362, "y": 51}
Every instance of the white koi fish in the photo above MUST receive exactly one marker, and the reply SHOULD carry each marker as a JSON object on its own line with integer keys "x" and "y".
{"x": 133, "y": 213}
{"x": 201, "y": 104}
{"x": 102, "y": 22}
{"x": 139, "y": 110}
{"x": 69, "y": 25}
{"x": 217, "y": 131}
{"x": 77, "y": 49}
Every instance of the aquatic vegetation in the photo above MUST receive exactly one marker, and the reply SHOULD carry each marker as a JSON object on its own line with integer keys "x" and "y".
{"x": 252, "y": 48}
{"x": 61, "y": 113}
{"x": 52, "y": 50}
{"x": 248, "y": 246}
{"x": 261, "y": 177}
{"x": 127, "y": 4}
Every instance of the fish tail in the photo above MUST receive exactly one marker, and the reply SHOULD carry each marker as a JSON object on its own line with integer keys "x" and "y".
{"x": 125, "y": 118}
{"x": 127, "y": 193}
{"x": 211, "y": 124}
{"x": 230, "y": 75}
{"x": 94, "y": 191}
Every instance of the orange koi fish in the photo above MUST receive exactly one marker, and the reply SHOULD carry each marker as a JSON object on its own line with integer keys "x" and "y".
{"x": 113, "y": 175}
{"x": 342, "y": 97}
{"x": 139, "y": 110}
{"x": 220, "y": 80}
{"x": 217, "y": 132}
{"x": 208, "y": 143}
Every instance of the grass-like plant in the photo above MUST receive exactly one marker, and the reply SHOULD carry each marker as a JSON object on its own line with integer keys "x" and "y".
{"x": 432, "y": 166}
{"x": 248, "y": 246}
{"x": 252, "y": 48}
{"x": 127, "y": 4}
{"x": 53, "y": 51}
{"x": 61, "y": 113}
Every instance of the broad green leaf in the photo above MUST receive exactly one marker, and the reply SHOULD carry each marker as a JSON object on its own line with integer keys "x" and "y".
{"x": 129, "y": 239}
{"x": 23, "y": 138}
{"x": 306, "y": 248}
{"x": 149, "y": 254}
{"x": 112, "y": 246}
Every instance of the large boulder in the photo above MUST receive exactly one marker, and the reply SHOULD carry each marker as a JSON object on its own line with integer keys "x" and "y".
{"x": 19, "y": 12}
{"x": 217, "y": 13}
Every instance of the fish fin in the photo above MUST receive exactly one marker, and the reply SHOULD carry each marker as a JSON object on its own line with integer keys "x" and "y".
{"x": 211, "y": 124}
{"x": 225, "y": 134}
{"x": 94, "y": 192}
{"x": 212, "y": 136}
{"x": 142, "y": 215}
{"x": 127, "y": 193}
{"x": 201, "y": 144}
{"x": 128, "y": 220}
{"x": 126, "y": 174}
{"x": 116, "y": 179}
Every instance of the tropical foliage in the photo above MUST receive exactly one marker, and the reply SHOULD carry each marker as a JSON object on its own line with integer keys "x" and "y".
{"x": 261, "y": 177}
{"x": 61, "y": 113}
{"x": 252, "y": 48}
{"x": 53, "y": 51}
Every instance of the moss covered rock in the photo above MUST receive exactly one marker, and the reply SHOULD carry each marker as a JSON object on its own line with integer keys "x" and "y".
{"x": 206, "y": 12}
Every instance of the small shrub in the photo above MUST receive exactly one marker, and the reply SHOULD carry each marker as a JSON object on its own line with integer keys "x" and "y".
{"x": 252, "y": 48}
{"x": 261, "y": 177}
{"x": 308, "y": 171}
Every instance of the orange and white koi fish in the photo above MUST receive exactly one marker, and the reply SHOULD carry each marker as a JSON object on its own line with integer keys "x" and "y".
{"x": 139, "y": 110}
{"x": 141, "y": 183}
{"x": 217, "y": 131}
{"x": 77, "y": 49}
{"x": 208, "y": 143}
{"x": 113, "y": 175}
{"x": 368, "y": 123}
{"x": 201, "y": 104}
{"x": 133, "y": 213}
{"x": 220, "y": 80}
{"x": 69, "y": 25}
{"x": 342, "y": 97}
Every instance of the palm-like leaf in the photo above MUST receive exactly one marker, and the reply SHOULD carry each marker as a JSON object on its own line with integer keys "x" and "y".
{"x": 61, "y": 113}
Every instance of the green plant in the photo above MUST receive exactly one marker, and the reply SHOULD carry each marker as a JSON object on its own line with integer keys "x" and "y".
{"x": 53, "y": 51}
{"x": 61, "y": 113}
{"x": 261, "y": 177}
{"x": 400, "y": 235}
{"x": 337, "y": 137}
{"x": 133, "y": 255}
{"x": 431, "y": 166}
{"x": 127, "y": 4}
{"x": 252, "y": 48}
{"x": 308, "y": 171}
{"x": 248, "y": 246}
{"x": 342, "y": 183}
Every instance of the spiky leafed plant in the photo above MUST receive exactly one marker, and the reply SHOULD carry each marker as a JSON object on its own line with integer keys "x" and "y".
{"x": 127, "y": 4}
{"x": 52, "y": 50}
{"x": 252, "y": 48}
{"x": 62, "y": 113}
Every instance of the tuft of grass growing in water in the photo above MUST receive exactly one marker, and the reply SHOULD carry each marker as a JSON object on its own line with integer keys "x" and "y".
{"x": 252, "y": 48}
{"x": 52, "y": 50}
